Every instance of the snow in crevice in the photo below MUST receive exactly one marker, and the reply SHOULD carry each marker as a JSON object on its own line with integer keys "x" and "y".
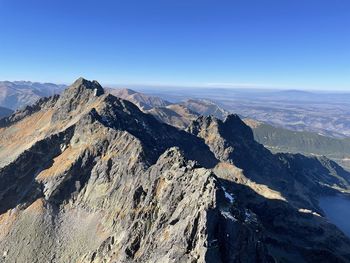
{"x": 228, "y": 196}
{"x": 228, "y": 215}
{"x": 250, "y": 217}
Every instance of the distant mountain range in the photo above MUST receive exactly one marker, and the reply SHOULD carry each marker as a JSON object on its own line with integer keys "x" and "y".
{"x": 205, "y": 107}
{"x": 327, "y": 113}
{"x": 276, "y": 139}
{"x": 16, "y": 94}
{"x": 177, "y": 114}
{"x": 143, "y": 101}
{"x": 88, "y": 177}
{"x": 324, "y": 113}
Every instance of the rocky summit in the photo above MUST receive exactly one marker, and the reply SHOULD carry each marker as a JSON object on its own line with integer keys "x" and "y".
{"x": 88, "y": 177}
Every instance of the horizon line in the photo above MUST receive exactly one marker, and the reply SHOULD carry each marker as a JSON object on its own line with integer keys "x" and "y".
{"x": 209, "y": 85}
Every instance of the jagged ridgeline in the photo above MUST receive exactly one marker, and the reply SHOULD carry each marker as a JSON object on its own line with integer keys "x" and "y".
{"x": 88, "y": 177}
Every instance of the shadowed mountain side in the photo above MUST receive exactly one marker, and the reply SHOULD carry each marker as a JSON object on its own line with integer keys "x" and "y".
{"x": 282, "y": 140}
{"x": 4, "y": 112}
{"x": 287, "y": 233}
{"x": 233, "y": 143}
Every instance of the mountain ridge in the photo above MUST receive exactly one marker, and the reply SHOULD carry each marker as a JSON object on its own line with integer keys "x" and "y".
{"x": 93, "y": 165}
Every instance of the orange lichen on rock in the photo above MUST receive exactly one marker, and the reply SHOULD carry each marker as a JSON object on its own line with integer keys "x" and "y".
{"x": 230, "y": 172}
{"x": 37, "y": 207}
{"x": 22, "y": 135}
{"x": 160, "y": 185}
{"x": 166, "y": 234}
{"x": 6, "y": 222}
{"x": 61, "y": 163}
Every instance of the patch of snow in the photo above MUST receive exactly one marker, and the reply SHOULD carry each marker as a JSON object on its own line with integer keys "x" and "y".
{"x": 308, "y": 211}
{"x": 250, "y": 217}
{"x": 228, "y": 215}
{"x": 228, "y": 196}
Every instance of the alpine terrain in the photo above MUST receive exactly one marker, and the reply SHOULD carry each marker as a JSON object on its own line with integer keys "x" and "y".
{"x": 86, "y": 176}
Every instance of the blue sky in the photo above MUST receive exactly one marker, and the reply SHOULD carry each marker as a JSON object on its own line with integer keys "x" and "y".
{"x": 301, "y": 44}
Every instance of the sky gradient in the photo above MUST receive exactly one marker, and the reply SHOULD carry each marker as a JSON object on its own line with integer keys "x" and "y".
{"x": 301, "y": 44}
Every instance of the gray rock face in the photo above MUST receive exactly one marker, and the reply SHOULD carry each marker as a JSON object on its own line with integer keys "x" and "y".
{"x": 75, "y": 97}
{"x": 90, "y": 178}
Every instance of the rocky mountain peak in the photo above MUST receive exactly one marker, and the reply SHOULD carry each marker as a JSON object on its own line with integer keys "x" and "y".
{"x": 76, "y": 97}
{"x": 81, "y": 85}
{"x": 232, "y": 128}
{"x": 234, "y": 125}
{"x": 232, "y": 141}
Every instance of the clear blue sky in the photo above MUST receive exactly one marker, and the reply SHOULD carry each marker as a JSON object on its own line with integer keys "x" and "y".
{"x": 273, "y": 43}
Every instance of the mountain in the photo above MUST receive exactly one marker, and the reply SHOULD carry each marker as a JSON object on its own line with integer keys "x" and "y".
{"x": 205, "y": 107}
{"x": 14, "y": 95}
{"x": 174, "y": 114}
{"x": 88, "y": 177}
{"x": 4, "y": 112}
{"x": 282, "y": 140}
{"x": 143, "y": 101}
{"x": 327, "y": 113}
{"x": 177, "y": 114}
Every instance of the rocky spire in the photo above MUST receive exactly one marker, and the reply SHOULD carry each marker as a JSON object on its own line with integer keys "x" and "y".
{"x": 234, "y": 126}
{"x": 84, "y": 85}
{"x": 76, "y": 96}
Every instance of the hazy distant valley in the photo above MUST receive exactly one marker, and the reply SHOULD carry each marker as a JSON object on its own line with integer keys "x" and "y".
{"x": 326, "y": 113}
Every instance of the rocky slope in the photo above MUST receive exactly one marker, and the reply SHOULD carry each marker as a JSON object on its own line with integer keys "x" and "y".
{"x": 206, "y": 108}
{"x": 175, "y": 114}
{"x": 88, "y": 177}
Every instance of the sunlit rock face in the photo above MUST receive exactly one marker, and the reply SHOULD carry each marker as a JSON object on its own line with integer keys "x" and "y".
{"x": 89, "y": 177}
